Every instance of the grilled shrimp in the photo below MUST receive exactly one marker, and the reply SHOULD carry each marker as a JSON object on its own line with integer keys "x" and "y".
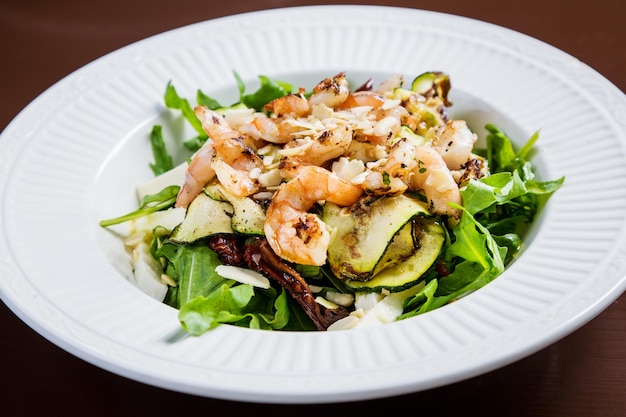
{"x": 199, "y": 173}
{"x": 294, "y": 105}
{"x": 455, "y": 143}
{"x": 363, "y": 98}
{"x": 414, "y": 167}
{"x": 289, "y": 112}
{"x": 328, "y": 144}
{"x": 432, "y": 176}
{"x": 331, "y": 91}
{"x": 295, "y": 234}
{"x": 237, "y": 167}
{"x": 224, "y": 154}
{"x": 278, "y": 130}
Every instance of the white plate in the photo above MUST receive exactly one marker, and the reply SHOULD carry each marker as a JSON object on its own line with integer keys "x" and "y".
{"x": 73, "y": 156}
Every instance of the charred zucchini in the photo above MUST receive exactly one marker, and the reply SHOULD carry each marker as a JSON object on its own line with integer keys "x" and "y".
{"x": 248, "y": 216}
{"x": 371, "y": 235}
{"x": 217, "y": 211}
{"x": 432, "y": 84}
{"x": 205, "y": 217}
{"x": 430, "y": 238}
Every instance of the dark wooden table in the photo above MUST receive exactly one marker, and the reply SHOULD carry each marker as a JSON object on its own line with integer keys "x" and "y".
{"x": 583, "y": 374}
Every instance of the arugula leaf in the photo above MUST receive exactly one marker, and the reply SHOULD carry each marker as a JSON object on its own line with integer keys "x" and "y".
{"x": 496, "y": 212}
{"x": 234, "y": 305}
{"x": 512, "y": 242}
{"x": 194, "y": 143}
{"x": 420, "y": 302}
{"x": 309, "y": 271}
{"x": 204, "y": 313}
{"x": 162, "y": 159}
{"x": 151, "y": 203}
{"x": 474, "y": 243}
{"x": 205, "y": 100}
{"x": 276, "y": 318}
{"x": 192, "y": 267}
{"x": 174, "y": 101}
{"x": 544, "y": 187}
{"x": 268, "y": 91}
{"x": 241, "y": 86}
{"x": 524, "y": 152}
{"x": 500, "y": 152}
{"x": 205, "y": 299}
{"x": 483, "y": 262}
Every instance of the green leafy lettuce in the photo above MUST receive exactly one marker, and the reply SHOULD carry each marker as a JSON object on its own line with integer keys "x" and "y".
{"x": 205, "y": 299}
{"x": 496, "y": 212}
{"x": 268, "y": 91}
{"x": 162, "y": 159}
{"x": 151, "y": 203}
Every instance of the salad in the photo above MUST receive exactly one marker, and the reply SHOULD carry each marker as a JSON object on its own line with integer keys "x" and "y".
{"x": 326, "y": 209}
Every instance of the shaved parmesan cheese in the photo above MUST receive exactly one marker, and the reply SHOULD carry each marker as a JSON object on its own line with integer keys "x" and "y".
{"x": 243, "y": 275}
{"x": 340, "y": 298}
{"x": 348, "y": 169}
{"x": 174, "y": 176}
{"x": 373, "y": 309}
{"x": 324, "y": 302}
{"x": 146, "y": 273}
